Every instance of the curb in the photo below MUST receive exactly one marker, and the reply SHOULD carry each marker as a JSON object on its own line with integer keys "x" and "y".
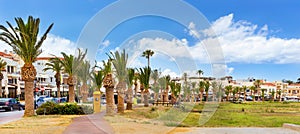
{"x": 291, "y": 126}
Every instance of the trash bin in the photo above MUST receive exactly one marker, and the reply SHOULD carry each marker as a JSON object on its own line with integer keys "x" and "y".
{"x": 97, "y": 101}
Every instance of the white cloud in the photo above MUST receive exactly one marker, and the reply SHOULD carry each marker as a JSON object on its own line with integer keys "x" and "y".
{"x": 193, "y": 31}
{"x": 169, "y": 72}
{"x": 52, "y": 45}
{"x": 55, "y": 45}
{"x": 244, "y": 42}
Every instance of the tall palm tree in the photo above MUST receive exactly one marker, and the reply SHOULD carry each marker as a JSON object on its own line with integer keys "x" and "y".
{"x": 130, "y": 73}
{"x": 56, "y": 67}
{"x": 201, "y": 89}
{"x": 228, "y": 90}
{"x": 199, "y": 72}
{"x": 144, "y": 79}
{"x": 147, "y": 54}
{"x": 119, "y": 61}
{"x": 71, "y": 66}
{"x": 2, "y": 66}
{"x": 25, "y": 43}
{"x": 108, "y": 83}
{"x": 84, "y": 76}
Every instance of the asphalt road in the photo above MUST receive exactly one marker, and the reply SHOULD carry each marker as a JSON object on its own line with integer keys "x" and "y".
{"x": 6, "y": 117}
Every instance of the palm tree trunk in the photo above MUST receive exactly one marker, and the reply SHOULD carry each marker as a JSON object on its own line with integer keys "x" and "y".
{"x": 29, "y": 107}
{"x": 58, "y": 90}
{"x": 201, "y": 96}
{"x": 146, "y": 98}
{"x": 71, "y": 94}
{"x": 109, "y": 93}
{"x": 84, "y": 92}
{"x": 1, "y": 88}
{"x": 121, "y": 95}
{"x": 129, "y": 102}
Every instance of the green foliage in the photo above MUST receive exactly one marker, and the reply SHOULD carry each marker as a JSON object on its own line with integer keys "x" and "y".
{"x": 145, "y": 76}
{"x": 24, "y": 38}
{"x": 97, "y": 78}
{"x": 130, "y": 73}
{"x": 50, "y": 108}
{"x": 119, "y": 61}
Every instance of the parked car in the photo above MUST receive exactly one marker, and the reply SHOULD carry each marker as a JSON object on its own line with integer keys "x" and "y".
{"x": 43, "y": 100}
{"x": 10, "y": 104}
{"x": 249, "y": 98}
{"x": 63, "y": 99}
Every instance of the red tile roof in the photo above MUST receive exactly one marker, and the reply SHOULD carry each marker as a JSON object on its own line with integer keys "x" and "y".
{"x": 269, "y": 84}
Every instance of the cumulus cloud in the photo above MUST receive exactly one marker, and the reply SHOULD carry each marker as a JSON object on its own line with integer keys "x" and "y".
{"x": 52, "y": 45}
{"x": 55, "y": 45}
{"x": 244, "y": 42}
{"x": 172, "y": 74}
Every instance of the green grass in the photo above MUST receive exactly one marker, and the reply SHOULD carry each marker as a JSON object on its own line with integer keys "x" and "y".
{"x": 252, "y": 114}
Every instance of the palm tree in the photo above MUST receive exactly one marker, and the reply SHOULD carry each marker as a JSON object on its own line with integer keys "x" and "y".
{"x": 252, "y": 89}
{"x": 97, "y": 79}
{"x": 244, "y": 88}
{"x": 263, "y": 94}
{"x": 273, "y": 95}
{"x": 56, "y": 67}
{"x": 279, "y": 94}
{"x": 108, "y": 83}
{"x": 175, "y": 90}
{"x": 155, "y": 85}
{"x": 25, "y": 43}
{"x": 200, "y": 72}
{"x": 257, "y": 84}
{"x": 206, "y": 86}
{"x": 135, "y": 79}
{"x": 2, "y": 66}
{"x": 130, "y": 73}
{"x": 84, "y": 76}
{"x": 228, "y": 90}
{"x": 162, "y": 85}
{"x": 193, "y": 89}
{"x": 144, "y": 79}
{"x": 166, "y": 93}
{"x": 71, "y": 65}
{"x": 201, "y": 89}
{"x": 234, "y": 92}
{"x": 214, "y": 86}
{"x": 147, "y": 54}
{"x": 119, "y": 61}
{"x": 220, "y": 92}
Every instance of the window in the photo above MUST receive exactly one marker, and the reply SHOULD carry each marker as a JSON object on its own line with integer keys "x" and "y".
{"x": 51, "y": 79}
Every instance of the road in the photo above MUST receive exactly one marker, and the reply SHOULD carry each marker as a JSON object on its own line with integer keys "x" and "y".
{"x": 6, "y": 117}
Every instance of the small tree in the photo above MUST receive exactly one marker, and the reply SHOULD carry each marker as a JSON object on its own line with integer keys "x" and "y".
{"x": 206, "y": 86}
{"x": 2, "y": 66}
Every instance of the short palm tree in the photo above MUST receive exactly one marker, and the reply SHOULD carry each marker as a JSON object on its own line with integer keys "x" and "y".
{"x": 84, "y": 77}
{"x": 252, "y": 89}
{"x": 147, "y": 54}
{"x": 279, "y": 94}
{"x": 119, "y": 61}
{"x": 214, "y": 86}
{"x": 162, "y": 85}
{"x": 2, "y": 66}
{"x": 25, "y": 43}
{"x": 144, "y": 79}
{"x": 166, "y": 93}
{"x": 234, "y": 92}
{"x": 201, "y": 89}
{"x": 155, "y": 85}
{"x": 175, "y": 91}
{"x": 193, "y": 90}
{"x": 263, "y": 94}
{"x": 206, "y": 87}
{"x": 55, "y": 66}
{"x": 244, "y": 88}
{"x": 228, "y": 90}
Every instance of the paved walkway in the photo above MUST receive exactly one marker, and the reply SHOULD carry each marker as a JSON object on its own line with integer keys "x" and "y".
{"x": 89, "y": 124}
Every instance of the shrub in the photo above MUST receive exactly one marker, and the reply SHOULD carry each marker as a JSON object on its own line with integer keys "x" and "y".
{"x": 66, "y": 109}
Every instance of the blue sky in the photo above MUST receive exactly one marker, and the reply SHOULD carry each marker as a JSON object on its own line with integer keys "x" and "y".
{"x": 259, "y": 39}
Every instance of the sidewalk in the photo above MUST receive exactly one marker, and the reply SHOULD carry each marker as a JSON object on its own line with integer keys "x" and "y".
{"x": 90, "y": 124}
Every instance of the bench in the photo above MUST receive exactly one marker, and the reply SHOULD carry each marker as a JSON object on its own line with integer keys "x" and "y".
{"x": 161, "y": 103}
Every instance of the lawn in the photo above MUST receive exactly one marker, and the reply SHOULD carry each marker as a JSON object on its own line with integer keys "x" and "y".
{"x": 52, "y": 124}
{"x": 251, "y": 114}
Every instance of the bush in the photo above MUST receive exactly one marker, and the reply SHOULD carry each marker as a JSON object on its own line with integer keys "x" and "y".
{"x": 66, "y": 109}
